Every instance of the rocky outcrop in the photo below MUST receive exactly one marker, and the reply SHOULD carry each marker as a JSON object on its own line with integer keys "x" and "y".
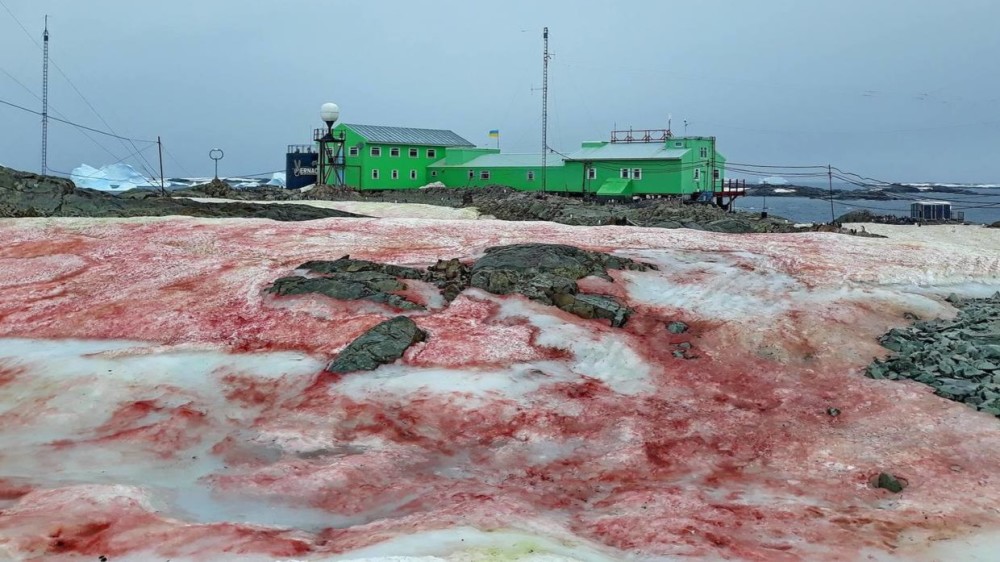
{"x": 30, "y": 195}
{"x": 959, "y": 358}
{"x": 383, "y": 344}
{"x": 546, "y": 273}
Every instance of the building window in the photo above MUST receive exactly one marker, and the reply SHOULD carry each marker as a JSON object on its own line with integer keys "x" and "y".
{"x": 434, "y": 174}
{"x": 413, "y": 174}
{"x": 432, "y": 153}
{"x": 531, "y": 175}
{"x": 375, "y": 174}
{"x": 591, "y": 173}
{"x": 395, "y": 174}
{"x": 353, "y": 151}
{"x": 717, "y": 173}
{"x": 413, "y": 153}
{"x": 637, "y": 173}
{"x": 626, "y": 173}
{"x": 697, "y": 174}
{"x": 678, "y": 144}
{"x": 704, "y": 152}
{"x": 394, "y": 152}
{"x": 472, "y": 174}
{"x": 484, "y": 175}
{"x": 376, "y": 151}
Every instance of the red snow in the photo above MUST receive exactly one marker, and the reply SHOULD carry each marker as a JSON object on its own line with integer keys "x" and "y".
{"x": 730, "y": 455}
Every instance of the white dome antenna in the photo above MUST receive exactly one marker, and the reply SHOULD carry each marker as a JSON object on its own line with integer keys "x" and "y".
{"x": 329, "y": 113}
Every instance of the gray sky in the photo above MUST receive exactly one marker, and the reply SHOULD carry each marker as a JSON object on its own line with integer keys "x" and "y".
{"x": 898, "y": 91}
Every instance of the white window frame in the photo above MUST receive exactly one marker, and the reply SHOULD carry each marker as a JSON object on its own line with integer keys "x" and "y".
{"x": 374, "y": 173}
{"x": 697, "y": 174}
{"x": 354, "y": 152}
{"x": 484, "y": 175}
{"x": 394, "y": 174}
{"x": 375, "y": 151}
{"x": 413, "y": 174}
{"x": 432, "y": 153}
{"x": 531, "y": 175}
{"x": 472, "y": 174}
{"x": 592, "y": 173}
{"x": 625, "y": 173}
{"x": 637, "y": 173}
{"x": 394, "y": 152}
{"x": 414, "y": 153}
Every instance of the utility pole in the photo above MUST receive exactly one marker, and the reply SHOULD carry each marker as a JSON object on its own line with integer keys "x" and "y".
{"x": 159, "y": 145}
{"x": 829, "y": 175}
{"x": 45, "y": 99}
{"x": 545, "y": 111}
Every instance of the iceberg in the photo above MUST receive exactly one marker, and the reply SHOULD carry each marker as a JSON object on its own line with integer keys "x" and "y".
{"x": 774, "y": 180}
{"x": 114, "y": 177}
{"x": 277, "y": 180}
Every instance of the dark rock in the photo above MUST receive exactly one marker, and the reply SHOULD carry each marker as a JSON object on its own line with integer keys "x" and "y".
{"x": 731, "y": 226}
{"x": 833, "y": 412}
{"x": 216, "y": 188}
{"x": 887, "y": 481}
{"x": 385, "y": 343}
{"x": 548, "y": 273}
{"x": 348, "y": 265}
{"x": 360, "y": 285}
{"x": 593, "y": 307}
{"x": 677, "y": 327}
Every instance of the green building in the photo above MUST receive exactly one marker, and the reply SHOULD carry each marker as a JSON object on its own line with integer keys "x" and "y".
{"x": 380, "y": 158}
{"x": 635, "y": 163}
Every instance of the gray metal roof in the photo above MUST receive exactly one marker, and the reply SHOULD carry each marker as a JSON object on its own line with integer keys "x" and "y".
{"x": 408, "y": 136}
{"x": 629, "y": 151}
{"x": 505, "y": 161}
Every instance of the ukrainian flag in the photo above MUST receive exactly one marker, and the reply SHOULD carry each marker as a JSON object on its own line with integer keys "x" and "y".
{"x": 495, "y": 134}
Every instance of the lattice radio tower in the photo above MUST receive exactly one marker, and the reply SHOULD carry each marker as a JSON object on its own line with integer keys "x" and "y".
{"x": 545, "y": 110}
{"x": 45, "y": 99}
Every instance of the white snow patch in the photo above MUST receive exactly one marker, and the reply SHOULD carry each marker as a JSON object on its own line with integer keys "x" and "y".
{"x": 606, "y": 356}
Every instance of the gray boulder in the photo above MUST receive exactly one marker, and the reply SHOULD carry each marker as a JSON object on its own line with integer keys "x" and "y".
{"x": 383, "y": 344}
{"x": 361, "y": 285}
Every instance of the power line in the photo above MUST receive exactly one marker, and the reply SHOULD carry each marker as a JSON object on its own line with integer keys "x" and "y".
{"x": 113, "y": 133}
{"x": 77, "y": 125}
{"x": 59, "y": 113}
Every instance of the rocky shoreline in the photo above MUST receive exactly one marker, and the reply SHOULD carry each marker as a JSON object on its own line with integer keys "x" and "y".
{"x": 30, "y": 195}
{"x": 24, "y": 194}
{"x": 887, "y": 193}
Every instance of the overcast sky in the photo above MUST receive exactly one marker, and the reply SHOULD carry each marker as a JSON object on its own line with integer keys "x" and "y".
{"x": 898, "y": 91}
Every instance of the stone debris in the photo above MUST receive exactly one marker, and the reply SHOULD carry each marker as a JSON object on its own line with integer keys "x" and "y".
{"x": 959, "y": 358}
{"x": 383, "y": 344}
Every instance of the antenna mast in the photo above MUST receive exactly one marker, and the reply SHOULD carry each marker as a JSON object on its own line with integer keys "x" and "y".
{"x": 545, "y": 111}
{"x": 45, "y": 99}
